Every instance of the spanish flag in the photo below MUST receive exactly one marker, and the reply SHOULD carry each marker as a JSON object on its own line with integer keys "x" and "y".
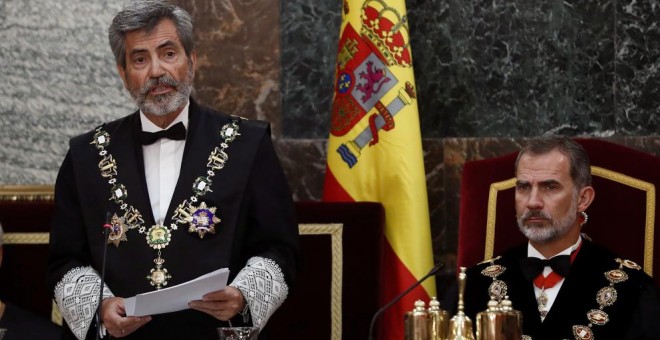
{"x": 375, "y": 148}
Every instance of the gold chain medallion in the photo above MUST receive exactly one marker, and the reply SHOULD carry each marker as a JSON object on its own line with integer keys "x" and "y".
{"x": 200, "y": 219}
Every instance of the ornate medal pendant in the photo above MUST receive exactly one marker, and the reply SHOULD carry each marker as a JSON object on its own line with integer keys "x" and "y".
{"x": 201, "y": 219}
{"x": 101, "y": 139}
{"x": 497, "y": 290}
{"x": 629, "y": 264}
{"x": 598, "y": 317}
{"x": 158, "y": 237}
{"x": 616, "y": 276}
{"x": 117, "y": 230}
{"x": 542, "y": 301}
{"x": 158, "y": 276}
{"x": 133, "y": 219}
{"x": 108, "y": 167}
{"x": 119, "y": 193}
{"x": 493, "y": 271}
{"x": 229, "y": 132}
{"x": 217, "y": 159}
{"x": 581, "y": 332}
{"x": 606, "y": 296}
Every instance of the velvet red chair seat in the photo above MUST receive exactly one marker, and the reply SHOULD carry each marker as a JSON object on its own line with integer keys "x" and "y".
{"x": 621, "y": 218}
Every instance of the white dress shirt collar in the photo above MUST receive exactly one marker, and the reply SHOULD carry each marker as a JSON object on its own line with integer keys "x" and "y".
{"x": 532, "y": 252}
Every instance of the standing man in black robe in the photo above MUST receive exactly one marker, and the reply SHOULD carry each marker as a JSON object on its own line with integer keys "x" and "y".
{"x": 186, "y": 190}
{"x": 583, "y": 291}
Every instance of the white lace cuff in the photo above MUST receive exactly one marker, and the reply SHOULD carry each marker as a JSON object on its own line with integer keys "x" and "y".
{"x": 262, "y": 284}
{"x": 77, "y": 297}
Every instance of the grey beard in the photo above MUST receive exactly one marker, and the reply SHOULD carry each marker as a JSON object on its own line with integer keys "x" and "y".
{"x": 556, "y": 229}
{"x": 163, "y": 105}
{"x": 167, "y": 103}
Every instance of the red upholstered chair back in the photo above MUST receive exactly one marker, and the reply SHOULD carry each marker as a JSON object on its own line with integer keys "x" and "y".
{"x": 25, "y": 215}
{"x": 621, "y": 218}
{"x": 336, "y": 293}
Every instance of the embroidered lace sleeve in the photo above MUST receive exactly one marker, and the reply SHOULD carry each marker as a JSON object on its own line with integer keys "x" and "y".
{"x": 262, "y": 284}
{"x": 77, "y": 296}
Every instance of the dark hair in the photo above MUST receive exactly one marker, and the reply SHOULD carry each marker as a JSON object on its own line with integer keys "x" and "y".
{"x": 145, "y": 15}
{"x": 580, "y": 166}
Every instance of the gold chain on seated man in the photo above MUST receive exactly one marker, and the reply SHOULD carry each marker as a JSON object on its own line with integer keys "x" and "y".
{"x": 605, "y": 297}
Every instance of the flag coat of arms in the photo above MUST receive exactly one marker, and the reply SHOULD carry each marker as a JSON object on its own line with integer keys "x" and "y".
{"x": 375, "y": 150}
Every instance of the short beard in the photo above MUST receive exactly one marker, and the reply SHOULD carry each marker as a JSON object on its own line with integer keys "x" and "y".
{"x": 165, "y": 104}
{"x": 556, "y": 229}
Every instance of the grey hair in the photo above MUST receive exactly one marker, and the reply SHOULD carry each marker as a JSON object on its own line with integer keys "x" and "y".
{"x": 580, "y": 165}
{"x": 146, "y": 15}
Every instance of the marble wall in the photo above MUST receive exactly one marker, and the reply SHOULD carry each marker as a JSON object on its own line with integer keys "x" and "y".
{"x": 58, "y": 80}
{"x": 489, "y": 74}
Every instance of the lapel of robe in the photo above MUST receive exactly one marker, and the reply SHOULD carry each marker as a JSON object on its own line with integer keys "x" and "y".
{"x": 127, "y": 150}
{"x": 202, "y": 137}
{"x": 573, "y": 300}
{"x": 523, "y": 289}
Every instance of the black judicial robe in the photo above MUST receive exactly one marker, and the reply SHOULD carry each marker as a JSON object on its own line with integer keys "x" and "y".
{"x": 250, "y": 193}
{"x": 634, "y": 315}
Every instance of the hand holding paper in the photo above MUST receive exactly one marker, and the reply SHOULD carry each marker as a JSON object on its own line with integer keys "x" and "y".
{"x": 222, "y": 304}
{"x": 177, "y": 297}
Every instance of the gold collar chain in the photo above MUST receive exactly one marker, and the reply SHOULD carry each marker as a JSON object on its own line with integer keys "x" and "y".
{"x": 200, "y": 219}
{"x": 605, "y": 297}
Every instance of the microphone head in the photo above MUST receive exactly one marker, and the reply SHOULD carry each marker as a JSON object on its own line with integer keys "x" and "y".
{"x": 108, "y": 220}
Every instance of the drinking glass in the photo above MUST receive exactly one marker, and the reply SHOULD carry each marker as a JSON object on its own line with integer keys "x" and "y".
{"x": 238, "y": 333}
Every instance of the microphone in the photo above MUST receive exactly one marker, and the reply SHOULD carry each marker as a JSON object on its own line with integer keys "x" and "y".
{"x": 106, "y": 233}
{"x": 434, "y": 270}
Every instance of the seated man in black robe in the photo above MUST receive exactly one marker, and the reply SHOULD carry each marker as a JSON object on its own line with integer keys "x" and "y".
{"x": 583, "y": 291}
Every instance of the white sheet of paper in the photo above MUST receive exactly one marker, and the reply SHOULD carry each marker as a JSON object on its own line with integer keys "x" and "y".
{"x": 177, "y": 297}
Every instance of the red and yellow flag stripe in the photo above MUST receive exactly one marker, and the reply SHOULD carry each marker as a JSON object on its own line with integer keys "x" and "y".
{"x": 374, "y": 149}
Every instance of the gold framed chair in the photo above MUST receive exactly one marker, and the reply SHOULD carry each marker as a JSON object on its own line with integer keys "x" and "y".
{"x": 336, "y": 293}
{"x": 25, "y": 215}
{"x": 333, "y": 231}
{"x": 621, "y": 218}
